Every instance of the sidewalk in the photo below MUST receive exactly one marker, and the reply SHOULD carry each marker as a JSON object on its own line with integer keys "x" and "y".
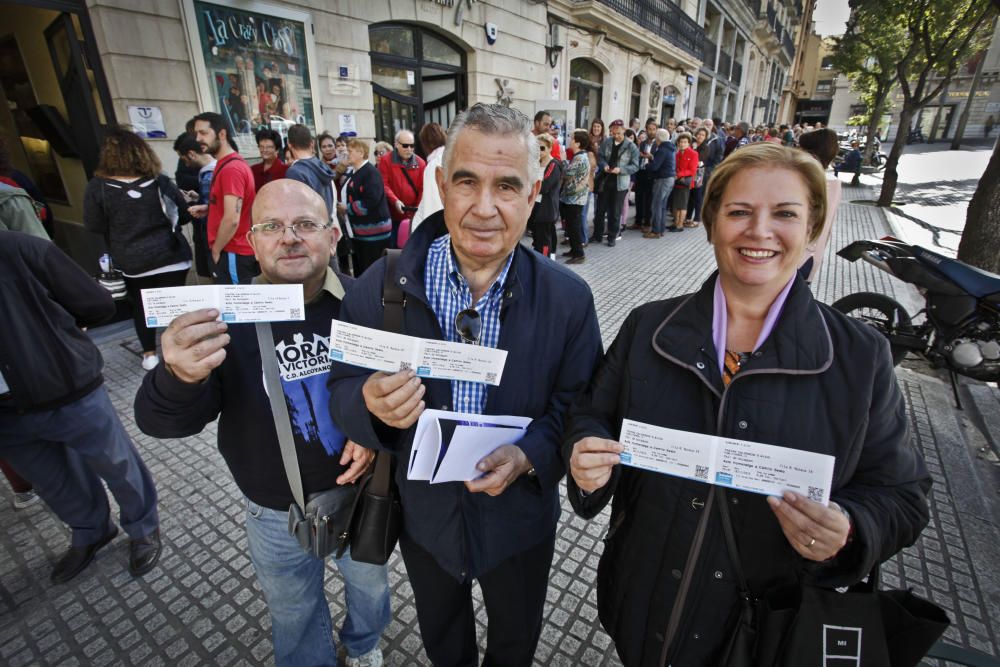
{"x": 201, "y": 606}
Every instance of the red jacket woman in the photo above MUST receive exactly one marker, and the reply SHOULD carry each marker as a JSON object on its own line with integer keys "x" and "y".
{"x": 687, "y": 168}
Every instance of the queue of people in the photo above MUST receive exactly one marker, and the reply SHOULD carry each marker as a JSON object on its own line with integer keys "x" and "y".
{"x": 752, "y": 336}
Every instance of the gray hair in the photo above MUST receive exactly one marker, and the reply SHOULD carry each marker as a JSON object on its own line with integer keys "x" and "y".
{"x": 662, "y": 135}
{"x": 495, "y": 119}
{"x": 402, "y": 132}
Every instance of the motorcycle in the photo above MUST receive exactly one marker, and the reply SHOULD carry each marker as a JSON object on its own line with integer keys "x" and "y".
{"x": 878, "y": 158}
{"x": 960, "y": 329}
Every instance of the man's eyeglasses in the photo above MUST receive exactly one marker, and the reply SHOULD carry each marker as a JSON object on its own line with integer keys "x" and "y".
{"x": 469, "y": 325}
{"x": 402, "y": 145}
{"x": 301, "y": 228}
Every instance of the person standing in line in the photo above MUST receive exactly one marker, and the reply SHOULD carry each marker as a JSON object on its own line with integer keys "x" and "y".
{"x": 190, "y": 153}
{"x": 403, "y": 178}
{"x": 626, "y": 203}
{"x": 617, "y": 160}
{"x": 573, "y": 194}
{"x": 643, "y": 179}
{"x": 542, "y": 124}
{"x": 704, "y": 150}
{"x": 366, "y": 207}
{"x": 686, "y": 170}
{"x": 661, "y": 173}
{"x": 213, "y": 370}
{"x": 432, "y": 140}
{"x": 545, "y": 213}
{"x": 270, "y": 168}
{"x": 17, "y": 212}
{"x": 230, "y": 199}
{"x": 138, "y": 211}
{"x": 58, "y": 428}
{"x": 309, "y": 169}
{"x": 597, "y": 136}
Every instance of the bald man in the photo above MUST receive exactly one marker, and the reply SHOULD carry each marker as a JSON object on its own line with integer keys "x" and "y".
{"x": 213, "y": 370}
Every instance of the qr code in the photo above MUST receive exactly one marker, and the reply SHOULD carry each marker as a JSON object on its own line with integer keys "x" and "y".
{"x": 701, "y": 472}
{"x": 405, "y": 365}
{"x": 491, "y": 378}
{"x": 816, "y": 493}
{"x": 294, "y": 314}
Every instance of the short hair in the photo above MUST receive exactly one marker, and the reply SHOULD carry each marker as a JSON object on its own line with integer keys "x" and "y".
{"x": 323, "y": 137}
{"x": 186, "y": 142}
{"x": 651, "y": 120}
{"x": 400, "y": 133}
{"x": 822, "y": 144}
{"x": 545, "y": 139}
{"x": 768, "y": 155}
{"x": 360, "y": 144}
{"x": 299, "y": 137}
{"x": 384, "y": 146}
{"x": 540, "y": 115}
{"x": 432, "y": 137}
{"x": 124, "y": 153}
{"x": 663, "y": 135}
{"x": 494, "y": 119}
{"x": 582, "y": 139}
{"x": 218, "y": 123}
{"x": 268, "y": 134}
{"x": 701, "y": 129}
{"x": 684, "y": 135}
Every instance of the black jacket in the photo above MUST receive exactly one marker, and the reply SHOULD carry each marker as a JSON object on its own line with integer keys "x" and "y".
{"x": 45, "y": 297}
{"x": 664, "y": 161}
{"x": 820, "y": 382}
{"x": 547, "y": 208}
{"x": 549, "y": 329}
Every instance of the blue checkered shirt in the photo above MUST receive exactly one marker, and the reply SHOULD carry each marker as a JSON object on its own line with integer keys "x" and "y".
{"x": 448, "y": 294}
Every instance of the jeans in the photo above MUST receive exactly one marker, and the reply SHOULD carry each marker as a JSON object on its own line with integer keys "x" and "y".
{"x": 661, "y": 190}
{"x": 583, "y": 219}
{"x": 292, "y": 581}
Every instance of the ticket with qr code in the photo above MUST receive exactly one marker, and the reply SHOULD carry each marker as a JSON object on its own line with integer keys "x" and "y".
{"x": 236, "y": 304}
{"x": 738, "y": 464}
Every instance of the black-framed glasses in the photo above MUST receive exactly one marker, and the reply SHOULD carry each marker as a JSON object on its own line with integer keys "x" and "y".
{"x": 469, "y": 325}
{"x": 402, "y": 145}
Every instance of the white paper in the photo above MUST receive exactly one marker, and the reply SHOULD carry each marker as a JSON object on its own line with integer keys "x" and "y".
{"x": 738, "y": 464}
{"x": 348, "y": 124}
{"x": 236, "y": 303}
{"x": 147, "y": 122}
{"x": 474, "y": 437}
{"x": 392, "y": 352}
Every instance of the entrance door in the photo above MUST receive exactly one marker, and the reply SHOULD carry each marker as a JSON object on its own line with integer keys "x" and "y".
{"x": 74, "y": 61}
{"x": 586, "y": 86}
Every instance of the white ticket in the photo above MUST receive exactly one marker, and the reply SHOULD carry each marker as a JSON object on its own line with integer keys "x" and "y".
{"x": 393, "y": 352}
{"x": 236, "y": 303}
{"x": 738, "y": 464}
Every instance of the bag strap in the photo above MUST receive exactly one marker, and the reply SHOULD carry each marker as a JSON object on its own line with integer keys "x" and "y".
{"x": 734, "y": 554}
{"x": 410, "y": 181}
{"x": 279, "y": 409}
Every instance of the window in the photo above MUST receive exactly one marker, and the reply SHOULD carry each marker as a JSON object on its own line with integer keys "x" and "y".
{"x": 825, "y": 86}
{"x": 827, "y": 63}
{"x": 634, "y": 108}
{"x": 586, "y": 85}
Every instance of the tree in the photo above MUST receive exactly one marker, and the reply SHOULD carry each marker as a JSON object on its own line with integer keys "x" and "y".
{"x": 867, "y": 54}
{"x": 980, "y": 244}
{"x": 940, "y": 35}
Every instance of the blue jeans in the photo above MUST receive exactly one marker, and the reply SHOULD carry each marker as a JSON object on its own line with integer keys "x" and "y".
{"x": 292, "y": 581}
{"x": 661, "y": 190}
{"x": 583, "y": 219}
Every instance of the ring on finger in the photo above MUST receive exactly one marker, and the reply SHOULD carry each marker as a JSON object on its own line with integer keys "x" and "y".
{"x": 812, "y": 541}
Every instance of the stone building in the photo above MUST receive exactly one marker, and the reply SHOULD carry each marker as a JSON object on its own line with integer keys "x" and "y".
{"x": 367, "y": 67}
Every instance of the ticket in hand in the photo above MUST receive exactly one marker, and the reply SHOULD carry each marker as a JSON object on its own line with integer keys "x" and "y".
{"x": 236, "y": 303}
{"x": 392, "y": 352}
{"x": 738, "y": 464}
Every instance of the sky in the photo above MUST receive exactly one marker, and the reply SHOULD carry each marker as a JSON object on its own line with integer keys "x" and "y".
{"x": 830, "y": 16}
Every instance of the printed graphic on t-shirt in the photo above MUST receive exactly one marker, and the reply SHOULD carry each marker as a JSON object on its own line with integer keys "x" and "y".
{"x": 303, "y": 366}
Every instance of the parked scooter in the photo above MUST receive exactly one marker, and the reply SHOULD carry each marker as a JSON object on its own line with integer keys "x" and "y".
{"x": 960, "y": 330}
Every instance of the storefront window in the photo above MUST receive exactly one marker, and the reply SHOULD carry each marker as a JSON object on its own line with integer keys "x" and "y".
{"x": 257, "y": 70}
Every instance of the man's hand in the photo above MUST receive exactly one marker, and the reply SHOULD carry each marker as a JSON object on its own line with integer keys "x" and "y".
{"x": 592, "y": 461}
{"x": 400, "y": 205}
{"x": 194, "y": 344}
{"x": 394, "y": 399}
{"x": 190, "y": 196}
{"x": 216, "y": 254}
{"x": 501, "y": 467}
{"x": 616, "y": 170}
{"x": 199, "y": 210}
{"x": 359, "y": 458}
{"x": 816, "y": 532}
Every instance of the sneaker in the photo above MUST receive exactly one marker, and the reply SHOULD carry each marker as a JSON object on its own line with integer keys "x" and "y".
{"x": 619, "y": 237}
{"x": 371, "y": 659}
{"x": 25, "y": 499}
{"x": 150, "y": 362}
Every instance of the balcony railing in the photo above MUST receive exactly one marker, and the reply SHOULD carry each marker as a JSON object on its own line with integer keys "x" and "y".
{"x": 725, "y": 63}
{"x": 665, "y": 19}
{"x": 710, "y": 49}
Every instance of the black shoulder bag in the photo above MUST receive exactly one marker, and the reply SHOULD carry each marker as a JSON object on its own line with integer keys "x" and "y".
{"x": 377, "y": 516}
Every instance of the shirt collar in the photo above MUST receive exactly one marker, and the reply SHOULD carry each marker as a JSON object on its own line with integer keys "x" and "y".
{"x": 457, "y": 280}
{"x": 720, "y": 319}
{"x": 331, "y": 283}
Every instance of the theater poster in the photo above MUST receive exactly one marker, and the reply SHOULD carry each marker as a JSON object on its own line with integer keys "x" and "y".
{"x": 254, "y": 67}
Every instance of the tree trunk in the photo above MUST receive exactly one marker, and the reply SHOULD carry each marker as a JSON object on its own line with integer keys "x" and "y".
{"x": 873, "y": 128}
{"x": 891, "y": 176}
{"x": 937, "y": 115}
{"x": 980, "y": 245}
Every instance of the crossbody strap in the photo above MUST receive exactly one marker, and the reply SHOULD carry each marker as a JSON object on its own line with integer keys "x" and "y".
{"x": 279, "y": 409}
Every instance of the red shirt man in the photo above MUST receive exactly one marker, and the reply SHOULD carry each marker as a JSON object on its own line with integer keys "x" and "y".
{"x": 230, "y": 199}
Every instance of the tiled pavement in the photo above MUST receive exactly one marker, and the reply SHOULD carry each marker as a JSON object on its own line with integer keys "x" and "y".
{"x": 202, "y": 606}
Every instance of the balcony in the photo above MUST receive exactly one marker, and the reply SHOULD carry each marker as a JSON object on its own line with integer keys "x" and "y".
{"x": 710, "y": 49}
{"x": 663, "y": 18}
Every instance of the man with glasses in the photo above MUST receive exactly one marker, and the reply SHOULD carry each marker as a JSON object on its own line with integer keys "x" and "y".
{"x": 214, "y": 370}
{"x": 403, "y": 175}
{"x": 466, "y": 278}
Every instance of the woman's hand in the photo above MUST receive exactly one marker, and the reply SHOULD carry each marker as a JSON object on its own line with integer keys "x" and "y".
{"x": 817, "y": 533}
{"x": 592, "y": 461}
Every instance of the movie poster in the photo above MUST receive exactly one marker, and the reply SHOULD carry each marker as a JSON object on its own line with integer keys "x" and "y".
{"x": 257, "y": 69}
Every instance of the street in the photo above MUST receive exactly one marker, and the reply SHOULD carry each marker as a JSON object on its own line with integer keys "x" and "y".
{"x": 201, "y": 604}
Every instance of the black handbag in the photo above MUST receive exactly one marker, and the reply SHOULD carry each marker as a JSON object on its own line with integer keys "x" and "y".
{"x": 377, "y": 516}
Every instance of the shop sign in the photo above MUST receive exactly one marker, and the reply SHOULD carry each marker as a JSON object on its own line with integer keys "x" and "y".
{"x": 257, "y": 69}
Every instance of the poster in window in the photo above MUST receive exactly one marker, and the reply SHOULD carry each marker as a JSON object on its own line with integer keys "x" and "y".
{"x": 257, "y": 69}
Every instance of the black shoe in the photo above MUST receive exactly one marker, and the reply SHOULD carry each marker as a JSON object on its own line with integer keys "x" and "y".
{"x": 143, "y": 553}
{"x": 568, "y": 253}
{"x": 576, "y": 260}
{"x": 76, "y": 559}
{"x": 675, "y": 229}
{"x": 611, "y": 243}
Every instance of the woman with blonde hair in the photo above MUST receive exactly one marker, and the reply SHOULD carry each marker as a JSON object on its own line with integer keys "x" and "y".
{"x": 138, "y": 211}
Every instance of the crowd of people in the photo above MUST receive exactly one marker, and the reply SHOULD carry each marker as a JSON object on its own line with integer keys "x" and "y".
{"x": 713, "y": 362}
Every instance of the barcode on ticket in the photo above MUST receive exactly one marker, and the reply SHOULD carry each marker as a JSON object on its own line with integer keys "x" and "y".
{"x": 405, "y": 365}
{"x": 816, "y": 493}
{"x": 701, "y": 472}
{"x": 294, "y": 314}
{"x": 491, "y": 378}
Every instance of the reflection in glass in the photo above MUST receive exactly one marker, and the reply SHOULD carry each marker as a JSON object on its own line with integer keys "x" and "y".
{"x": 394, "y": 40}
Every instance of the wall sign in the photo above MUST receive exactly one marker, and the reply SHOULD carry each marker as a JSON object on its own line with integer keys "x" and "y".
{"x": 147, "y": 122}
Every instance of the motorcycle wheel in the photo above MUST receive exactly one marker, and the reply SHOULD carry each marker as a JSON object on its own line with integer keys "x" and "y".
{"x": 885, "y": 315}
